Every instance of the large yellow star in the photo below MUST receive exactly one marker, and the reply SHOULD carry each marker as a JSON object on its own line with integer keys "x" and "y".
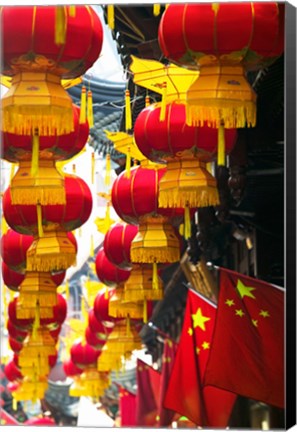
{"x": 244, "y": 290}
{"x": 199, "y": 319}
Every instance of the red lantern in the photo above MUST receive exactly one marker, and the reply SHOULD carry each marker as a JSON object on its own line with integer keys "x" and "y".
{"x": 59, "y": 314}
{"x": 71, "y": 369}
{"x": 58, "y": 278}
{"x": 11, "y": 278}
{"x": 44, "y": 421}
{"x": 12, "y": 315}
{"x": 83, "y": 354}
{"x": 12, "y": 372}
{"x": 173, "y": 138}
{"x": 117, "y": 243}
{"x": 93, "y": 340}
{"x": 55, "y": 333}
{"x": 101, "y": 303}
{"x": 14, "y": 247}
{"x": 107, "y": 272}
{"x": 15, "y": 345}
{"x": 16, "y": 333}
{"x": 97, "y": 327}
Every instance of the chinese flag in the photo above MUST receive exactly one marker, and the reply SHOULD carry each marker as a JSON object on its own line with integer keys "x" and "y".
{"x": 209, "y": 406}
{"x": 147, "y": 396}
{"x": 247, "y": 355}
{"x": 127, "y": 408}
{"x": 7, "y": 419}
{"x": 165, "y": 416}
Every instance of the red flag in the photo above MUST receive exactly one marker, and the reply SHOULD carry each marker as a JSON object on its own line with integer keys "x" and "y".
{"x": 165, "y": 416}
{"x": 7, "y": 419}
{"x": 208, "y": 406}
{"x": 127, "y": 408}
{"x": 247, "y": 355}
{"x": 147, "y": 396}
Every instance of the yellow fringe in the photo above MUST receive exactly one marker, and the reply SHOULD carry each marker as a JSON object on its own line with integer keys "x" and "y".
{"x": 36, "y": 323}
{"x": 157, "y": 255}
{"x": 12, "y": 171}
{"x": 139, "y": 295}
{"x": 72, "y": 11}
{"x": 91, "y": 246}
{"x": 147, "y": 101}
{"x": 128, "y": 117}
{"x": 221, "y": 145}
{"x": 128, "y": 326}
{"x": 83, "y": 105}
{"x": 155, "y": 284}
{"x": 14, "y": 404}
{"x": 39, "y": 220}
{"x": 110, "y": 16}
{"x": 107, "y": 219}
{"x": 52, "y": 262}
{"x": 90, "y": 109}
{"x": 156, "y": 9}
{"x": 198, "y": 197}
{"x": 93, "y": 167}
{"x": 209, "y": 167}
{"x": 48, "y": 120}
{"x": 107, "y": 179}
{"x": 44, "y": 195}
{"x": 128, "y": 163}
{"x": 235, "y": 114}
{"x": 144, "y": 311}
{"x": 35, "y": 155}
{"x": 163, "y": 102}
{"x": 187, "y": 224}
{"x": 60, "y": 25}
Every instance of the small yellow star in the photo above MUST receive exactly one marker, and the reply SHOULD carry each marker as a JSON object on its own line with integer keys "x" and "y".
{"x": 239, "y": 312}
{"x": 244, "y": 290}
{"x": 199, "y": 319}
{"x": 255, "y": 322}
{"x": 197, "y": 350}
{"x": 229, "y": 302}
{"x": 264, "y": 314}
{"x": 205, "y": 345}
{"x": 190, "y": 331}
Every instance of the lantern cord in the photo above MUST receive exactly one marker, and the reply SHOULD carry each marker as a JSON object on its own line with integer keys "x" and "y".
{"x": 156, "y": 9}
{"x": 60, "y": 25}
{"x": 163, "y": 103}
{"x": 12, "y": 171}
{"x": 147, "y": 101}
{"x": 14, "y": 404}
{"x": 93, "y": 168}
{"x": 83, "y": 105}
{"x": 145, "y": 311}
{"x": 36, "y": 323}
{"x": 92, "y": 246}
{"x": 35, "y": 154}
{"x": 128, "y": 118}
{"x": 67, "y": 290}
{"x": 107, "y": 179}
{"x": 128, "y": 163}
{"x": 90, "y": 109}
{"x": 39, "y": 220}
{"x": 106, "y": 293}
{"x": 187, "y": 223}
{"x": 110, "y": 16}
{"x": 221, "y": 145}
{"x": 107, "y": 220}
{"x": 155, "y": 276}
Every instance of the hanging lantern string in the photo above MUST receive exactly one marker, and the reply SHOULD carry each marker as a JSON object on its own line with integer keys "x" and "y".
{"x": 128, "y": 163}
{"x": 90, "y": 113}
{"x": 110, "y": 16}
{"x": 35, "y": 154}
{"x": 221, "y": 145}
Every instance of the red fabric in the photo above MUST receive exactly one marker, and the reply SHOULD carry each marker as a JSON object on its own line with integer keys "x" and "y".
{"x": 205, "y": 406}
{"x": 76, "y": 211}
{"x": 83, "y": 41}
{"x": 127, "y": 408}
{"x": 249, "y": 333}
{"x": 231, "y": 29}
{"x": 63, "y": 147}
{"x": 159, "y": 141}
{"x": 117, "y": 244}
{"x": 107, "y": 272}
{"x": 101, "y": 307}
{"x": 147, "y": 396}
{"x": 14, "y": 247}
{"x": 7, "y": 419}
{"x": 165, "y": 416}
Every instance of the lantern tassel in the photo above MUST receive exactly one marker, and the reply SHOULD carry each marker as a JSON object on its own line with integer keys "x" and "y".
{"x": 83, "y": 105}
{"x": 163, "y": 103}
{"x": 145, "y": 311}
{"x": 35, "y": 155}
{"x": 157, "y": 9}
{"x": 221, "y": 145}
{"x": 155, "y": 276}
{"x": 67, "y": 290}
{"x": 39, "y": 220}
{"x": 187, "y": 224}
{"x": 107, "y": 220}
{"x": 147, "y": 101}
{"x": 90, "y": 109}
{"x": 107, "y": 179}
{"x": 110, "y": 16}
{"x": 128, "y": 163}
{"x": 36, "y": 323}
{"x": 92, "y": 246}
{"x": 72, "y": 11}
{"x": 93, "y": 168}
{"x": 60, "y": 25}
{"x": 14, "y": 404}
{"x": 128, "y": 111}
